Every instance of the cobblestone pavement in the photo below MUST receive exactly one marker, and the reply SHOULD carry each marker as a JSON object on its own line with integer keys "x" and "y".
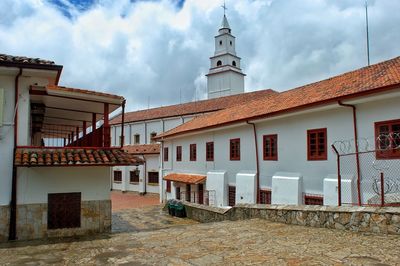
{"x": 225, "y": 243}
{"x": 148, "y": 218}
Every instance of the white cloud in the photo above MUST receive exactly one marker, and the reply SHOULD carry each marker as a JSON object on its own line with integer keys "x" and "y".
{"x": 153, "y": 49}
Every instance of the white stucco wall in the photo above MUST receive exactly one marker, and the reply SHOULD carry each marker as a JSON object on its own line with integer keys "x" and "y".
{"x": 35, "y": 183}
{"x": 7, "y": 82}
{"x": 292, "y": 143}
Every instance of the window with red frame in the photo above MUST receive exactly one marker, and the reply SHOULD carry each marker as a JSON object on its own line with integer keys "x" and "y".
{"x": 117, "y": 176}
{"x": 270, "y": 147}
{"x": 168, "y": 189}
{"x": 178, "y": 153}
{"x": 210, "y": 151}
{"x": 265, "y": 196}
{"x": 134, "y": 176}
{"x": 387, "y": 135}
{"x": 193, "y": 155}
{"x": 313, "y": 200}
{"x": 317, "y": 144}
{"x": 234, "y": 149}
{"x": 166, "y": 154}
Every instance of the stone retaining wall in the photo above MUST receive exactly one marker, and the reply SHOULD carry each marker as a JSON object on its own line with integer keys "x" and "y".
{"x": 384, "y": 220}
{"x": 32, "y": 220}
{"x": 4, "y": 222}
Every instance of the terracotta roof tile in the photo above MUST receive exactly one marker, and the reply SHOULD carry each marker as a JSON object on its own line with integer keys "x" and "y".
{"x": 185, "y": 178}
{"x": 202, "y": 106}
{"x": 31, "y": 157}
{"x": 142, "y": 149}
{"x": 350, "y": 84}
{"x": 88, "y": 92}
{"x": 24, "y": 60}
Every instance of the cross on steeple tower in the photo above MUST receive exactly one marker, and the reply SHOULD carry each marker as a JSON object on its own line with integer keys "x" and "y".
{"x": 224, "y": 7}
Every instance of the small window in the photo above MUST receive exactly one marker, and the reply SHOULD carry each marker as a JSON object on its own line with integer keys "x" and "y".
{"x": 136, "y": 139}
{"x": 230, "y": 42}
{"x": 134, "y": 176}
{"x": 316, "y": 143}
{"x": 153, "y": 177}
{"x": 313, "y": 199}
{"x": 219, "y": 63}
{"x": 168, "y": 189}
{"x": 270, "y": 147}
{"x": 234, "y": 149}
{"x": 178, "y": 153}
{"x": 387, "y": 135}
{"x": 220, "y": 42}
{"x": 265, "y": 196}
{"x": 166, "y": 154}
{"x": 234, "y": 63}
{"x": 152, "y": 136}
{"x": 117, "y": 176}
{"x": 210, "y": 151}
{"x": 193, "y": 155}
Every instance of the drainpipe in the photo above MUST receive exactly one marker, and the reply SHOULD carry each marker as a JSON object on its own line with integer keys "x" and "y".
{"x": 13, "y": 203}
{"x": 257, "y": 161}
{"x": 123, "y": 124}
{"x": 162, "y": 172}
{"x": 145, "y": 175}
{"x": 356, "y": 148}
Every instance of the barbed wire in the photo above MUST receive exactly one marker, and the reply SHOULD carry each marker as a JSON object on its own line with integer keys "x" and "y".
{"x": 383, "y": 142}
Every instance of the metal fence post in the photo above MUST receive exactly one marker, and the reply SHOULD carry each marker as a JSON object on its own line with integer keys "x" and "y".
{"x": 382, "y": 190}
{"x": 339, "y": 176}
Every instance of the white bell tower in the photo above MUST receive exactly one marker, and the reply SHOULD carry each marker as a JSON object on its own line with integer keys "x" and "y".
{"x": 225, "y": 76}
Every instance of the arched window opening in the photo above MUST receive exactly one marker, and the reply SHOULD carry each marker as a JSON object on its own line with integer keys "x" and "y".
{"x": 219, "y": 63}
{"x": 230, "y": 43}
{"x": 234, "y": 63}
{"x": 220, "y": 42}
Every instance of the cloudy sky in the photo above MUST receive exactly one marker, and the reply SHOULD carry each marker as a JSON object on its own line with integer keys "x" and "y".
{"x": 152, "y": 52}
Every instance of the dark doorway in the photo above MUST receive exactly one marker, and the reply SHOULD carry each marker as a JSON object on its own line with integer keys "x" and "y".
{"x": 188, "y": 193}
{"x": 201, "y": 193}
{"x": 64, "y": 210}
{"x": 178, "y": 193}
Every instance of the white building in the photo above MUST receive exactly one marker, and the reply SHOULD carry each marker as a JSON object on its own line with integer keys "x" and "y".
{"x": 225, "y": 76}
{"x": 55, "y": 162}
{"x": 277, "y": 149}
{"x": 225, "y": 89}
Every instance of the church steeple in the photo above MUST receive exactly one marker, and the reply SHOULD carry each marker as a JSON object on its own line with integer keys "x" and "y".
{"x": 224, "y": 25}
{"x": 225, "y": 76}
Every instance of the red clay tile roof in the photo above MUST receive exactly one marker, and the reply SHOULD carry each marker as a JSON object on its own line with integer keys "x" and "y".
{"x": 24, "y": 60}
{"x": 142, "y": 149}
{"x": 369, "y": 79}
{"x": 36, "y": 157}
{"x": 89, "y": 92}
{"x": 185, "y": 178}
{"x": 203, "y": 106}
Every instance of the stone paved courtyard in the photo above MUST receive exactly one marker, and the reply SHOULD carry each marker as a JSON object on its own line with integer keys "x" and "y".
{"x": 149, "y": 237}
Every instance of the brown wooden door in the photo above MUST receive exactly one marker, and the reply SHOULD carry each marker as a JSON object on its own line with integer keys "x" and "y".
{"x": 64, "y": 210}
{"x": 201, "y": 193}
{"x": 231, "y": 195}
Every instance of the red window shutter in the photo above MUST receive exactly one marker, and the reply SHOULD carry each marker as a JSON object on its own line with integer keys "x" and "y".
{"x": 168, "y": 186}
{"x": 210, "y": 151}
{"x": 317, "y": 144}
{"x": 270, "y": 147}
{"x": 234, "y": 149}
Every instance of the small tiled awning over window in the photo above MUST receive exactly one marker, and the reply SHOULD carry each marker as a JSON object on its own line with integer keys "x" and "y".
{"x": 185, "y": 178}
{"x": 36, "y": 157}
